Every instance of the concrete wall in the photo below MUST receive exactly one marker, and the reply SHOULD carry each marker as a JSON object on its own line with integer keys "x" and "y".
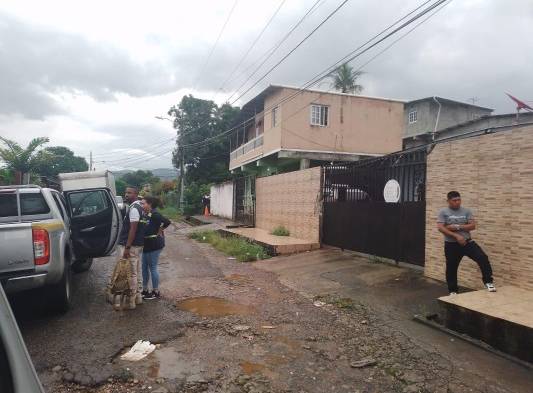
{"x": 494, "y": 174}
{"x": 425, "y": 118}
{"x": 471, "y": 126}
{"x": 292, "y": 200}
{"x": 451, "y": 114}
{"x": 357, "y": 124}
{"x": 222, "y": 200}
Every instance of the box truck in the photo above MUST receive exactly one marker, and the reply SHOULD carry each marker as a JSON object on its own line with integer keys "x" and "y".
{"x": 84, "y": 180}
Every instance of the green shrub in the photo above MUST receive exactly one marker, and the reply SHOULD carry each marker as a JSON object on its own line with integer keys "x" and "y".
{"x": 280, "y": 231}
{"x": 170, "y": 212}
{"x": 193, "y": 198}
{"x": 241, "y": 249}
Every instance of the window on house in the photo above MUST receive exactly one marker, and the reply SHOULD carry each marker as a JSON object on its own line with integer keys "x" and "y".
{"x": 413, "y": 117}
{"x": 275, "y": 114}
{"x": 319, "y": 115}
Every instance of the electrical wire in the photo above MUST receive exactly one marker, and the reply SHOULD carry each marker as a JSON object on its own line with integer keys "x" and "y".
{"x": 289, "y": 53}
{"x": 216, "y": 42}
{"x": 253, "y": 44}
{"x": 273, "y": 49}
{"x": 352, "y": 55}
{"x": 313, "y": 8}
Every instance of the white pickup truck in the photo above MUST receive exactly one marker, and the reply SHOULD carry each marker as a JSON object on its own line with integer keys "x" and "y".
{"x": 45, "y": 235}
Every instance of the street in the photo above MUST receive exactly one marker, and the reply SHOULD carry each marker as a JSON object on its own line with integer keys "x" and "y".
{"x": 224, "y": 326}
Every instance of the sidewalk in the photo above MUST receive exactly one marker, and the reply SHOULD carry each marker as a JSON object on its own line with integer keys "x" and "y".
{"x": 396, "y": 294}
{"x": 275, "y": 244}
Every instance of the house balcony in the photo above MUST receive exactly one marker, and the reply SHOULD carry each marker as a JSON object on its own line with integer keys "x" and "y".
{"x": 247, "y": 152}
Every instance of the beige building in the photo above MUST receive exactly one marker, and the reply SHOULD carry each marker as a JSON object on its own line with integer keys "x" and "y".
{"x": 288, "y": 129}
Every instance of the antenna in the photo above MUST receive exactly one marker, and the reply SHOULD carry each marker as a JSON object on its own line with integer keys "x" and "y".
{"x": 519, "y": 105}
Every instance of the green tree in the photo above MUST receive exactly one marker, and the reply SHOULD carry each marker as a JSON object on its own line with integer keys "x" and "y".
{"x": 196, "y": 120}
{"x": 54, "y": 160}
{"x": 120, "y": 185}
{"x": 19, "y": 159}
{"x": 6, "y": 177}
{"x": 344, "y": 79}
{"x": 139, "y": 178}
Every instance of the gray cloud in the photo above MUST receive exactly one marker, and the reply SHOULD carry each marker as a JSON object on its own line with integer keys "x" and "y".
{"x": 471, "y": 49}
{"x": 37, "y": 62}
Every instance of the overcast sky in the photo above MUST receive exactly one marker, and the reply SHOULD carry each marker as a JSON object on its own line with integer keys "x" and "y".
{"x": 91, "y": 75}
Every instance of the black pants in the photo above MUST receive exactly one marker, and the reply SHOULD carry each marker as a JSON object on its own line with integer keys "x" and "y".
{"x": 454, "y": 252}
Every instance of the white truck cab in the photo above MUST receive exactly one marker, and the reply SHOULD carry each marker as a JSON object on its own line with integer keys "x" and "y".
{"x": 46, "y": 234}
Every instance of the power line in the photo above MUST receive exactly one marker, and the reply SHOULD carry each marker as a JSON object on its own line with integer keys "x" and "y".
{"x": 352, "y": 55}
{"x": 273, "y": 49}
{"x": 147, "y": 152}
{"x": 153, "y": 144}
{"x": 290, "y": 52}
{"x": 216, "y": 42}
{"x": 313, "y": 8}
{"x": 253, "y": 44}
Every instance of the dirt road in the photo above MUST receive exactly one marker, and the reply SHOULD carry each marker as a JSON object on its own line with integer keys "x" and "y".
{"x": 224, "y": 326}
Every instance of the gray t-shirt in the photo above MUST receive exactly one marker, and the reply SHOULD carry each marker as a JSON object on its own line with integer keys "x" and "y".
{"x": 460, "y": 216}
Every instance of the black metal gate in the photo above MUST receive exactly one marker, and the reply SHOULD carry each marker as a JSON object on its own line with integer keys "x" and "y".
{"x": 244, "y": 201}
{"x": 358, "y": 217}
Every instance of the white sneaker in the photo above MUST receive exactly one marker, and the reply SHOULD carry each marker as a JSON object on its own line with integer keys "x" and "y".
{"x": 490, "y": 286}
{"x": 453, "y": 293}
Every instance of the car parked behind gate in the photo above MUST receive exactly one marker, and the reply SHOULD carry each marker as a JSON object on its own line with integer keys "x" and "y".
{"x": 45, "y": 235}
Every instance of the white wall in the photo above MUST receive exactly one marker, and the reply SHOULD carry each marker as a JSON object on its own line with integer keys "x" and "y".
{"x": 222, "y": 200}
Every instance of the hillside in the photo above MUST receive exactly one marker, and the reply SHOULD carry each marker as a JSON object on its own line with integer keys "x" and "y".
{"x": 162, "y": 173}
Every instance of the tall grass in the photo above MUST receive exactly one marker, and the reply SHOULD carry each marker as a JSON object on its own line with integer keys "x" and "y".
{"x": 170, "y": 212}
{"x": 241, "y": 249}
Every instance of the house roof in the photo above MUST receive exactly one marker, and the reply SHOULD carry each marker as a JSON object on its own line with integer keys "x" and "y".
{"x": 510, "y": 116}
{"x": 272, "y": 88}
{"x": 449, "y": 101}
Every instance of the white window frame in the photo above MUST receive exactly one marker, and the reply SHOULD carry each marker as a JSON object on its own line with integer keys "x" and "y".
{"x": 319, "y": 115}
{"x": 274, "y": 114}
{"x": 413, "y": 116}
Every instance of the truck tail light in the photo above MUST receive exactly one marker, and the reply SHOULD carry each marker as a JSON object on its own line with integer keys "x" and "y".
{"x": 41, "y": 246}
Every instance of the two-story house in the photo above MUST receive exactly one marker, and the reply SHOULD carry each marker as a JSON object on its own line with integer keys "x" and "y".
{"x": 425, "y": 117}
{"x": 284, "y": 128}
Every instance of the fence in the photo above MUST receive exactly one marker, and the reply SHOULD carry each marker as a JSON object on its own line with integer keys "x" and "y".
{"x": 222, "y": 200}
{"x": 377, "y": 206}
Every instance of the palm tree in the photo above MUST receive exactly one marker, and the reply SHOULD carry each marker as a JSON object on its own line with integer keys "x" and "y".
{"x": 345, "y": 79}
{"x": 19, "y": 159}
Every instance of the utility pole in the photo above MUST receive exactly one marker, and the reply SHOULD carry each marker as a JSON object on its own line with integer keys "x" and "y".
{"x": 91, "y": 161}
{"x": 182, "y": 178}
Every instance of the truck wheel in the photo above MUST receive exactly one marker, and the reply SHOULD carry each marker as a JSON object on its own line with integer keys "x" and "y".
{"x": 61, "y": 293}
{"x": 82, "y": 265}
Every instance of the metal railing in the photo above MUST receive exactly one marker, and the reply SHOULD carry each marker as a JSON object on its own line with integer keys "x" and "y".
{"x": 247, "y": 147}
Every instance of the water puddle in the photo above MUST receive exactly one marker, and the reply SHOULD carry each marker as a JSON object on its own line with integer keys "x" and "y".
{"x": 170, "y": 364}
{"x": 238, "y": 279}
{"x": 250, "y": 368}
{"x": 208, "y": 306}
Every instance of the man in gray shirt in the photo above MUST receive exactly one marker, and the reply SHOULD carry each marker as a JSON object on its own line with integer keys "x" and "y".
{"x": 456, "y": 223}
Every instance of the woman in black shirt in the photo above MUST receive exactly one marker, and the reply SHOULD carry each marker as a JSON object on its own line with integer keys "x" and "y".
{"x": 154, "y": 242}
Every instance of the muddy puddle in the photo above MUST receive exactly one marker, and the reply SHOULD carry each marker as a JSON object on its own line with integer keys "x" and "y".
{"x": 208, "y": 306}
{"x": 238, "y": 279}
{"x": 169, "y": 363}
{"x": 250, "y": 368}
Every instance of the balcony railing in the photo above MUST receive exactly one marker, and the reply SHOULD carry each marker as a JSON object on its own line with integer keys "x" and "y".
{"x": 247, "y": 147}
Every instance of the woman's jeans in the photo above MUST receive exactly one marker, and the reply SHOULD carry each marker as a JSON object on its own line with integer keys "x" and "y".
{"x": 150, "y": 259}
